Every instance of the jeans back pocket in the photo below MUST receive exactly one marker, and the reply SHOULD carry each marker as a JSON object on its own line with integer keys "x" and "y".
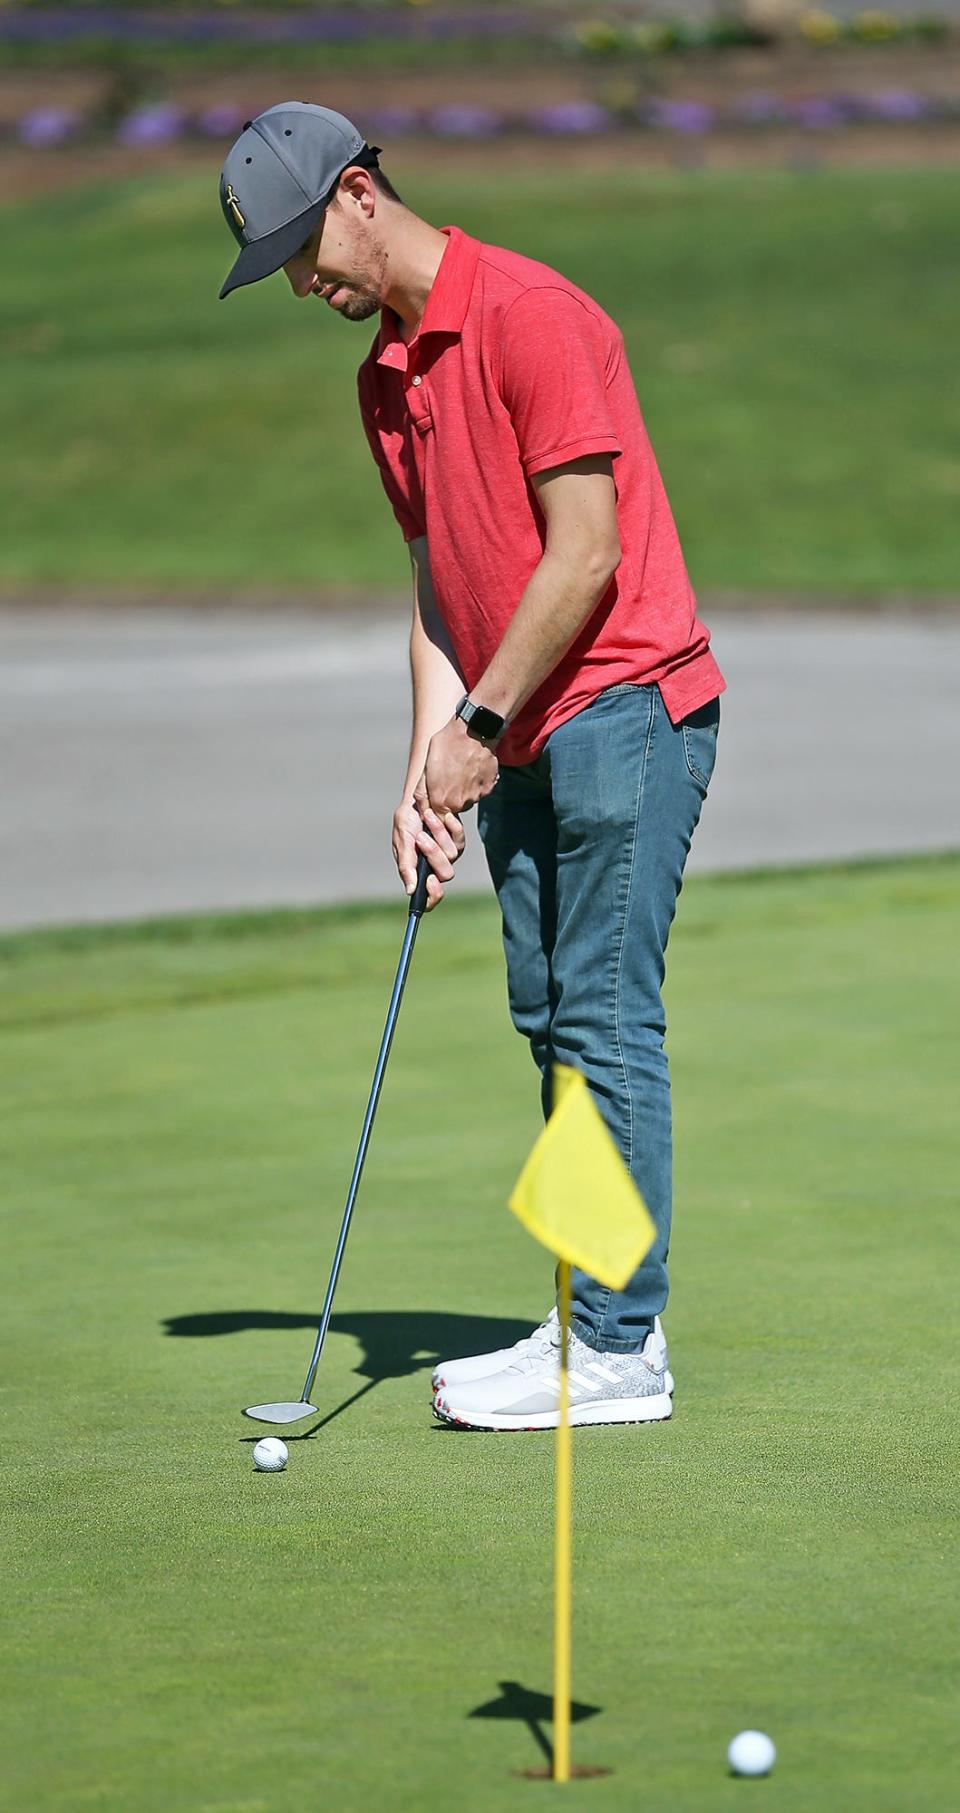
{"x": 700, "y": 730}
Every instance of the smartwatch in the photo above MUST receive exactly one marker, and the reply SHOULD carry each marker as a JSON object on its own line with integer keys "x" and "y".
{"x": 481, "y": 723}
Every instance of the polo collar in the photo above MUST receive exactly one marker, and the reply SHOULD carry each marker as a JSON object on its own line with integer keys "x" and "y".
{"x": 447, "y": 302}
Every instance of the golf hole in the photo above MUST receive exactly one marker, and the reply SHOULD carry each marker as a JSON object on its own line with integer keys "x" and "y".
{"x": 578, "y": 1772}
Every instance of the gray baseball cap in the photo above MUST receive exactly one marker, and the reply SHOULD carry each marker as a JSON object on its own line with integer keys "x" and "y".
{"x": 278, "y": 180}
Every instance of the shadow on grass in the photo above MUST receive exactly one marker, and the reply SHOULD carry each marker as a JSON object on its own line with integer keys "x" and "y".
{"x": 396, "y": 1343}
{"x": 531, "y": 1709}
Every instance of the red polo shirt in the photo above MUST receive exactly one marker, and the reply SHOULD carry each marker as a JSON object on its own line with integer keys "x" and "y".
{"x": 511, "y": 371}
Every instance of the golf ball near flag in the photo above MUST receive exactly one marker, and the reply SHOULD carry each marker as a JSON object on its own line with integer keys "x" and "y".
{"x": 270, "y": 1455}
{"x": 750, "y": 1752}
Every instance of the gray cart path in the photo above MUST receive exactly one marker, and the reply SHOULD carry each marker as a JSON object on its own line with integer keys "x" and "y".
{"x": 165, "y": 762}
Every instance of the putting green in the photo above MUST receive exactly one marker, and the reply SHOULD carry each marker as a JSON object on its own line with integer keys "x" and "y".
{"x": 182, "y": 1107}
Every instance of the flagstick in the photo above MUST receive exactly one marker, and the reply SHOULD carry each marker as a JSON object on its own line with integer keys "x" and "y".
{"x": 561, "y": 1578}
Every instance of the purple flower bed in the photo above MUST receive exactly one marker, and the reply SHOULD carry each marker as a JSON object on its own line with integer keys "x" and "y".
{"x": 464, "y": 122}
{"x": 393, "y": 122}
{"x": 818, "y": 112}
{"x": 679, "y": 116}
{"x": 220, "y": 122}
{"x": 48, "y": 126}
{"x": 164, "y": 123}
{"x": 170, "y": 25}
{"x": 569, "y": 119}
{"x": 899, "y": 104}
{"x": 758, "y": 108}
{"x": 161, "y": 125}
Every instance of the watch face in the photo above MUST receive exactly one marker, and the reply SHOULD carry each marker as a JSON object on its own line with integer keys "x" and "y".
{"x": 485, "y": 723}
{"x": 481, "y": 722}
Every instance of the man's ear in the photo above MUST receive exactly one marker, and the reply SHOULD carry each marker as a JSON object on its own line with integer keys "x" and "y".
{"x": 356, "y": 190}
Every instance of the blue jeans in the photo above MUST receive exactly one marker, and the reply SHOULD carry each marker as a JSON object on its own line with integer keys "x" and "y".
{"x": 586, "y": 847}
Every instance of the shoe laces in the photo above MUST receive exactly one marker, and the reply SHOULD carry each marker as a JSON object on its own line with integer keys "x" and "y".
{"x": 541, "y": 1343}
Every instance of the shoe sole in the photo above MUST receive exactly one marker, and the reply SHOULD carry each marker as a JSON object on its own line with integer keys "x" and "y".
{"x": 439, "y": 1384}
{"x": 655, "y": 1409}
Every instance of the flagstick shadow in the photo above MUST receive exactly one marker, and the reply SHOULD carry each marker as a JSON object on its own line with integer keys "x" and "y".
{"x": 541, "y": 1738}
{"x": 533, "y": 1710}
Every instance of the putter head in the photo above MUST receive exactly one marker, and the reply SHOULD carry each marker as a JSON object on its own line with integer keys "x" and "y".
{"x": 280, "y": 1413}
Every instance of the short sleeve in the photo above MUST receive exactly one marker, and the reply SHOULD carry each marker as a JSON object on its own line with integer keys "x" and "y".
{"x": 553, "y": 380}
{"x": 388, "y": 451}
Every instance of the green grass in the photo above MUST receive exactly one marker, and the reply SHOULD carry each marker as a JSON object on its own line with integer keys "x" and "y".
{"x": 786, "y": 331}
{"x": 182, "y": 1104}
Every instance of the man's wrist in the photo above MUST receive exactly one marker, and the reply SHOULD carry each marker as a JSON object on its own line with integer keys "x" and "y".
{"x": 480, "y": 721}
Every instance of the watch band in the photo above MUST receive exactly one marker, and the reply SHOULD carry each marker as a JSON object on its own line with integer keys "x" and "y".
{"x": 482, "y": 723}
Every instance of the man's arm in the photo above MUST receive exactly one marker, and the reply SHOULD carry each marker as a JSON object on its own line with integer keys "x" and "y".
{"x": 438, "y": 686}
{"x": 581, "y": 555}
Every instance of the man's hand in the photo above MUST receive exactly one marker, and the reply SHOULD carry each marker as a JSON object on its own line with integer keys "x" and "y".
{"x": 459, "y": 770}
{"x": 418, "y": 829}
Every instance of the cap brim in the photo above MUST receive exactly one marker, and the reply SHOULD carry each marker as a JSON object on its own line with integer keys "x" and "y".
{"x": 262, "y": 257}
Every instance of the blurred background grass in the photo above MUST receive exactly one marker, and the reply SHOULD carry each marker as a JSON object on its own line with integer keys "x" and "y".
{"x": 789, "y": 333}
{"x": 762, "y": 193}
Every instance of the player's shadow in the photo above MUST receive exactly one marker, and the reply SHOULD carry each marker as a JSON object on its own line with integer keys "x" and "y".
{"x": 396, "y": 1343}
{"x": 531, "y": 1709}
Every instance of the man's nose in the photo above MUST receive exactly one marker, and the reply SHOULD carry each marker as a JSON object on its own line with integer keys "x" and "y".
{"x": 300, "y": 276}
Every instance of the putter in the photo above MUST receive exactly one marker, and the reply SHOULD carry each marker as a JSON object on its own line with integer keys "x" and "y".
{"x": 292, "y": 1412}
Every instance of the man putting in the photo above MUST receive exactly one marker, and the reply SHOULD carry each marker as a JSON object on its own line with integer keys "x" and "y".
{"x": 562, "y": 682}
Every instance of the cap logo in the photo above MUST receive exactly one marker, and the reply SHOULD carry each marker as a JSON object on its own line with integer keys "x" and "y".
{"x": 234, "y": 206}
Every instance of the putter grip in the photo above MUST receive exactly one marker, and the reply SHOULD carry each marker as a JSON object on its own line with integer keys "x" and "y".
{"x": 418, "y": 899}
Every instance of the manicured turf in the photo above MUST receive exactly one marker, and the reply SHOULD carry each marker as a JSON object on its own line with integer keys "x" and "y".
{"x": 788, "y": 355}
{"x": 182, "y": 1105}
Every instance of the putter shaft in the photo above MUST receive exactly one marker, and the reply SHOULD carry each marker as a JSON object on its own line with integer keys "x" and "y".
{"x": 368, "y": 1119}
{"x": 290, "y": 1412}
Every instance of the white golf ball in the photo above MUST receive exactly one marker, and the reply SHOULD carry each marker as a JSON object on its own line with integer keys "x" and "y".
{"x": 751, "y": 1753}
{"x": 270, "y": 1455}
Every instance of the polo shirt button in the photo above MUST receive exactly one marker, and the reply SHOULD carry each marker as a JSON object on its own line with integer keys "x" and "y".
{"x": 417, "y": 380}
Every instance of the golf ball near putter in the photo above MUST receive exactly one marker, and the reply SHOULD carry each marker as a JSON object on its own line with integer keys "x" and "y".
{"x": 750, "y": 1752}
{"x": 270, "y": 1455}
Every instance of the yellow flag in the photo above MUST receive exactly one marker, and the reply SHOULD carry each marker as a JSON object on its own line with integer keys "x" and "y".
{"x": 575, "y": 1193}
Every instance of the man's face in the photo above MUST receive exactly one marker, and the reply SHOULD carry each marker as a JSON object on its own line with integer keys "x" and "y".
{"x": 342, "y": 263}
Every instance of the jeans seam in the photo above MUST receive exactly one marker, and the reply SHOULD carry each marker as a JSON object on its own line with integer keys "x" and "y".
{"x": 621, "y": 939}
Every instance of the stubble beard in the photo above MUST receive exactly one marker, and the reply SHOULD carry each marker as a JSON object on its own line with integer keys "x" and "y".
{"x": 359, "y": 307}
{"x": 364, "y": 299}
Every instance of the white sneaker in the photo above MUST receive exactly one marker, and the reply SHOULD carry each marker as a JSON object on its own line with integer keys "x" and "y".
{"x": 604, "y": 1387}
{"x": 483, "y": 1365}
